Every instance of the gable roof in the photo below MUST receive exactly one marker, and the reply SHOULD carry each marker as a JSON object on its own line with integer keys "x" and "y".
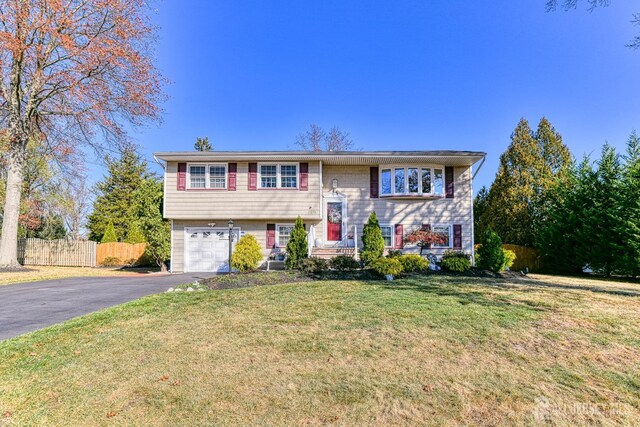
{"x": 446, "y": 157}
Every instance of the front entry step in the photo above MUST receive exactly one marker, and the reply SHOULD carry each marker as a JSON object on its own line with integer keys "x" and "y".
{"x": 328, "y": 253}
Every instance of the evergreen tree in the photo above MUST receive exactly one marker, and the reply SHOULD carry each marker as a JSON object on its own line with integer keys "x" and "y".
{"x": 134, "y": 234}
{"x": 155, "y": 229}
{"x": 631, "y": 207}
{"x": 109, "y": 235}
{"x": 297, "y": 247}
{"x": 528, "y": 168}
{"x": 490, "y": 253}
{"x": 372, "y": 240}
{"x": 479, "y": 207}
{"x": 116, "y": 194}
{"x": 203, "y": 144}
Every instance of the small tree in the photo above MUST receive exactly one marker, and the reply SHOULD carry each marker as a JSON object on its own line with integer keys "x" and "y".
{"x": 490, "y": 254}
{"x": 156, "y": 230}
{"x": 134, "y": 234}
{"x": 372, "y": 240}
{"x": 109, "y": 235}
{"x": 203, "y": 144}
{"x": 424, "y": 239}
{"x": 247, "y": 254}
{"x": 298, "y": 247}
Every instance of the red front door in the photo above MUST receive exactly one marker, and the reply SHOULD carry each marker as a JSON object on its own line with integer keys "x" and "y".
{"x": 334, "y": 221}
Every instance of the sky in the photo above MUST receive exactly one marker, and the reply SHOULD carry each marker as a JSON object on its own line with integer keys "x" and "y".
{"x": 396, "y": 75}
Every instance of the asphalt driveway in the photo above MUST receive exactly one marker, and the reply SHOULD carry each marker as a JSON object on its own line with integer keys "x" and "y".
{"x": 26, "y": 307}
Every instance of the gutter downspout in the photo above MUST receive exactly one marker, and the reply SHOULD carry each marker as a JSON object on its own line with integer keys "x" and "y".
{"x": 479, "y": 167}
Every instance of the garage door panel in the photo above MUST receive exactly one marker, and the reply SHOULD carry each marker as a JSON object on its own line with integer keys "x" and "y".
{"x": 207, "y": 250}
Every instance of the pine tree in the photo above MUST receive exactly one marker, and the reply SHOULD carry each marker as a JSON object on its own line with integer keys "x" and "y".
{"x": 116, "y": 194}
{"x": 631, "y": 207}
{"x": 109, "y": 235}
{"x": 372, "y": 240}
{"x": 156, "y": 230}
{"x": 297, "y": 247}
{"x": 203, "y": 144}
{"x": 134, "y": 233}
{"x": 528, "y": 168}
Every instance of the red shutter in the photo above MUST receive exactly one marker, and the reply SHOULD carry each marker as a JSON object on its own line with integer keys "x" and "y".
{"x": 457, "y": 236}
{"x": 427, "y": 227}
{"x": 253, "y": 177}
{"x": 398, "y": 237}
{"x": 448, "y": 181}
{"x": 373, "y": 182}
{"x": 271, "y": 235}
{"x": 233, "y": 171}
{"x": 182, "y": 176}
{"x": 304, "y": 176}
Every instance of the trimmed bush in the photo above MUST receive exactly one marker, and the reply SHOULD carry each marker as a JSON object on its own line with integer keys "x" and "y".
{"x": 509, "y": 258}
{"x": 298, "y": 247}
{"x": 413, "y": 263}
{"x": 372, "y": 240}
{"x": 111, "y": 261}
{"x": 490, "y": 253}
{"x": 109, "y": 235}
{"x": 247, "y": 254}
{"x": 455, "y": 261}
{"x": 394, "y": 253}
{"x": 385, "y": 266}
{"x": 313, "y": 265}
{"x": 344, "y": 263}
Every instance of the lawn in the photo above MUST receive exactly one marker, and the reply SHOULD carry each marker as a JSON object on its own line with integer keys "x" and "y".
{"x": 432, "y": 350}
{"x": 35, "y": 273}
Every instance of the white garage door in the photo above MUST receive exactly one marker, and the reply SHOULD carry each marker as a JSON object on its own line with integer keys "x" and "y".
{"x": 207, "y": 249}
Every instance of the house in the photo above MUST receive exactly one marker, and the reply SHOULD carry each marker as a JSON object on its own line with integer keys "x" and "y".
{"x": 263, "y": 192}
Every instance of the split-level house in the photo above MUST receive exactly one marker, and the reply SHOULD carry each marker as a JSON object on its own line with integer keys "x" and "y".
{"x": 263, "y": 192}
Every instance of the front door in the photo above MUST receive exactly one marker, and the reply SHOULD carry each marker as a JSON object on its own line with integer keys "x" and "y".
{"x": 334, "y": 221}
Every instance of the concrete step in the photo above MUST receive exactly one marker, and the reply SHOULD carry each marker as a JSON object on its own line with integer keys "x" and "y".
{"x": 328, "y": 253}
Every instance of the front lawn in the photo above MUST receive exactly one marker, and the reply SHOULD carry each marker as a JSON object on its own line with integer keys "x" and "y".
{"x": 424, "y": 350}
{"x": 37, "y": 273}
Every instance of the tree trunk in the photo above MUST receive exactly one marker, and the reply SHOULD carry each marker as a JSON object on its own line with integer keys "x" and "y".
{"x": 9, "y": 238}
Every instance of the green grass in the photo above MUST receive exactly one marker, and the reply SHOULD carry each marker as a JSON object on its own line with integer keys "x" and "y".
{"x": 425, "y": 350}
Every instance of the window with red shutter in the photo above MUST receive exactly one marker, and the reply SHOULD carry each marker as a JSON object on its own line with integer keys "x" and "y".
{"x": 182, "y": 176}
{"x": 304, "y": 176}
{"x": 233, "y": 171}
{"x": 253, "y": 177}
{"x": 448, "y": 181}
{"x": 271, "y": 236}
{"x": 373, "y": 182}
{"x": 399, "y": 237}
{"x": 457, "y": 236}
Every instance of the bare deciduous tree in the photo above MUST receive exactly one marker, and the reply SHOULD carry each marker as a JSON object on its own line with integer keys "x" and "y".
{"x": 71, "y": 72}
{"x": 316, "y": 139}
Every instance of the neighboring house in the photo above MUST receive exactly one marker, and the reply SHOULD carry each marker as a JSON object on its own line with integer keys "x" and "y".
{"x": 263, "y": 192}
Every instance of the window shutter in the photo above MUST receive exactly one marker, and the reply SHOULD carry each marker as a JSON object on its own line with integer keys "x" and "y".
{"x": 398, "y": 236}
{"x": 448, "y": 181}
{"x": 182, "y": 176}
{"x": 304, "y": 176}
{"x": 253, "y": 177}
{"x": 233, "y": 171}
{"x": 457, "y": 236}
{"x": 271, "y": 235}
{"x": 427, "y": 227}
{"x": 373, "y": 182}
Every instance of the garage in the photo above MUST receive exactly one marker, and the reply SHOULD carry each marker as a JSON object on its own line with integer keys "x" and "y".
{"x": 207, "y": 249}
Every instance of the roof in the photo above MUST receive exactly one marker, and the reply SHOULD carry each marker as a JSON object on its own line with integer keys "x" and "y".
{"x": 445, "y": 157}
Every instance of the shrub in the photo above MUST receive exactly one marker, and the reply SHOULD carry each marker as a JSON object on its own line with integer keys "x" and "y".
{"x": 394, "y": 253}
{"x": 111, "y": 261}
{"x": 412, "y": 263}
{"x": 247, "y": 254}
{"x": 109, "y": 235}
{"x": 313, "y": 265}
{"x": 131, "y": 262}
{"x": 384, "y": 266}
{"x": 490, "y": 253}
{"x": 372, "y": 240}
{"x": 455, "y": 261}
{"x": 509, "y": 258}
{"x": 298, "y": 247}
{"x": 344, "y": 263}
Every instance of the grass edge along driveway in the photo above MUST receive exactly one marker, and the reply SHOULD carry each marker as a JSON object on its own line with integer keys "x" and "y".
{"x": 423, "y": 350}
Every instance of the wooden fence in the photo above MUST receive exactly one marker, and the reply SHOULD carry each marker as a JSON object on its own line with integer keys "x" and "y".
{"x": 76, "y": 253}
{"x": 525, "y": 257}
{"x": 125, "y": 252}
{"x": 67, "y": 253}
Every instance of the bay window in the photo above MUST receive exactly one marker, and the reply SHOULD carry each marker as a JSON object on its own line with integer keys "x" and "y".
{"x": 413, "y": 180}
{"x": 207, "y": 176}
{"x": 278, "y": 175}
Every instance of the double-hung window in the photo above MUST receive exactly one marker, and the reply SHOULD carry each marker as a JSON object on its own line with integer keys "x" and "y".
{"x": 412, "y": 180}
{"x": 387, "y": 235}
{"x": 208, "y": 176}
{"x": 284, "y": 234}
{"x": 445, "y": 232}
{"x": 278, "y": 176}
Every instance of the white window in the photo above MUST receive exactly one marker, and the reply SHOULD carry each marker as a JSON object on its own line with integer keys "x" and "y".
{"x": 283, "y": 234}
{"x": 210, "y": 175}
{"x": 387, "y": 235}
{"x": 278, "y": 175}
{"x": 445, "y": 232}
{"x": 412, "y": 180}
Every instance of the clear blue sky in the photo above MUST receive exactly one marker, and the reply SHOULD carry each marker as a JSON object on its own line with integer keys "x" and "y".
{"x": 401, "y": 75}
